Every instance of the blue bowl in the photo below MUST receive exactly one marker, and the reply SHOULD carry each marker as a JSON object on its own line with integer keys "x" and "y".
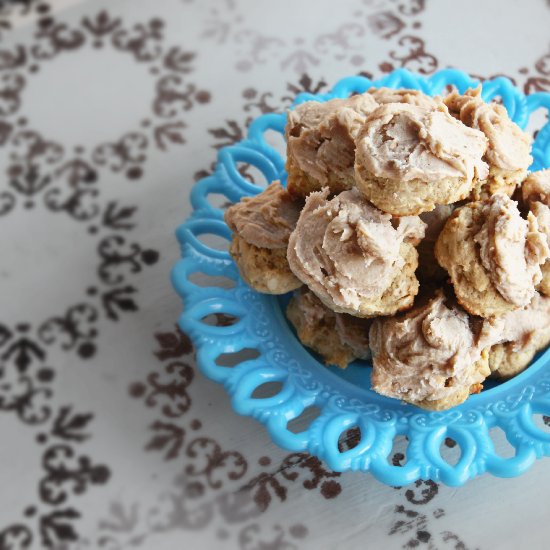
{"x": 344, "y": 398}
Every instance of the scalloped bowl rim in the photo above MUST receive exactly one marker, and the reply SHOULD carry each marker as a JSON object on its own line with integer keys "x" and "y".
{"x": 306, "y": 382}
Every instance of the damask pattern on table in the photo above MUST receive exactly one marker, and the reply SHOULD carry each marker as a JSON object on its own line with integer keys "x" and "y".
{"x": 65, "y": 179}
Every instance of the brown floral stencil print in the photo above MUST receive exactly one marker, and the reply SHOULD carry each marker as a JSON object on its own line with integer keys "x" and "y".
{"x": 11, "y": 86}
{"x": 38, "y": 168}
{"x": 173, "y": 389}
{"x": 173, "y": 344}
{"x": 410, "y": 54}
{"x": 169, "y": 390}
{"x": 212, "y": 485}
{"x": 213, "y": 464}
{"x": 30, "y": 168}
{"x": 13, "y": 57}
{"x": 301, "y": 53}
{"x": 127, "y": 154}
{"x": 50, "y": 520}
{"x": 540, "y": 82}
{"x": 305, "y": 84}
{"x": 175, "y": 93}
{"x": 418, "y": 531}
{"x": 411, "y": 7}
{"x": 63, "y": 469}
{"x": 25, "y": 378}
{"x": 29, "y": 10}
{"x": 418, "y": 525}
{"x": 74, "y": 329}
{"x": 296, "y": 468}
{"x": 167, "y": 437}
{"x": 142, "y": 40}
{"x": 101, "y": 26}
{"x": 53, "y": 38}
{"x": 119, "y": 259}
{"x": 385, "y": 24}
{"x": 259, "y": 537}
{"x": 65, "y": 179}
{"x": 75, "y": 191}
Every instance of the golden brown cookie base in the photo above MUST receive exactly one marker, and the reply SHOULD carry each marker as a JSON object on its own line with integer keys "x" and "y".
{"x": 446, "y": 403}
{"x": 461, "y": 394}
{"x": 456, "y": 251}
{"x": 508, "y": 360}
{"x": 544, "y": 286}
{"x": 300, "y": 184}
{"x": 409, "y": 197}
{"x": 399, "y": 296}
{"x": 264, "y": 269}
{"x": 499, "y": 181}
{"x": 320, "y": 336}
{"x": 506, "y": 363}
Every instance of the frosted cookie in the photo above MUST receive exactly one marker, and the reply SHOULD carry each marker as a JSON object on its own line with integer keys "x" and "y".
{"x": 383, "y": 96}
{"x": 411, "y": 228}
{"x": 432, "y": 356}
{"x": 536, "y": 196}
{"x": 261, "y": 228}
{"x": 493, "y": 256}
{"x": 321, "y": 143}
{"x": 542, "y": 214}
{"x": 508, "y": 151}
{"x": 349, "y": 254}
{"x": 338, "y": 338}
{"x": 410, "y": 158}
{"x": 264, "y": 269}
{"x": 429, "y": 271}
{"x": 536, "y": 187}
{"x": 521, "y": 334}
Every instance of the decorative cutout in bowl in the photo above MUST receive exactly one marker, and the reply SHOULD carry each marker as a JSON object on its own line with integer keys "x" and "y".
{"x": 346, "y": 402}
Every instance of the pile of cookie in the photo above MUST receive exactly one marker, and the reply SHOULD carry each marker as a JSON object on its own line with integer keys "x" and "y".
{"x": 411, "y": 235}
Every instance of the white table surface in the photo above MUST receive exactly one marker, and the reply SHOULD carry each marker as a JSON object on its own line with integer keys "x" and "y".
{"x": 109, "y": 111}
